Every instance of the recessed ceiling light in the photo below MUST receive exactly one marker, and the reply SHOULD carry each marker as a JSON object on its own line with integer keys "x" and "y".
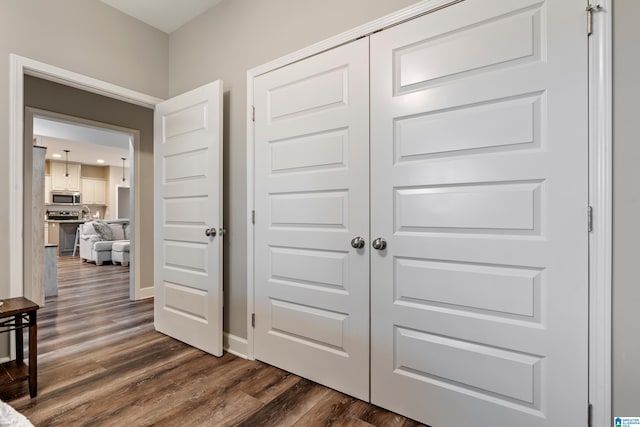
{"x": 100, "y": 161}
{"x": 57, "y": 156}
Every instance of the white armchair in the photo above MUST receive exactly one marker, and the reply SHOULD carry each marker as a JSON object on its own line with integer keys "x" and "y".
{"x": 96, "y": 243}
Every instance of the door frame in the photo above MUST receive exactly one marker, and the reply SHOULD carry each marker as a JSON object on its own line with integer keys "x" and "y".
{"x": 600, "y": 182}
{"x": 134, "y": 141}
{"x": 19, "y": 66}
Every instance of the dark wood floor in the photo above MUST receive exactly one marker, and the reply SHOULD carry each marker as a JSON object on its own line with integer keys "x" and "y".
{"x": 101, "y": 363}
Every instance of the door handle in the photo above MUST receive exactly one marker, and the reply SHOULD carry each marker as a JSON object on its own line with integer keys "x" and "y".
{"x": 210, "y": 232}
{"x": 357, "y": 243}
{"x": 379, "y": 244}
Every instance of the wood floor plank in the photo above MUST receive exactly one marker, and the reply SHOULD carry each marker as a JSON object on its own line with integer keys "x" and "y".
{"x": 269, "y": 383}
{"x": 101, "y": 362}
{"x": 288, "y": 407}
{"x": 336, "y": 409}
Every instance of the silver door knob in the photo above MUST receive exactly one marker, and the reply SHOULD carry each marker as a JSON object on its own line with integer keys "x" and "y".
{"x": 357, "y": 242}
{"x": 210, "y": 232}
{"x": 379, "y": 244}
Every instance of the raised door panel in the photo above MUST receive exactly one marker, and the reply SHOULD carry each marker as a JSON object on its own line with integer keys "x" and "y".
{"x": 312, "y": 287}
{"x": 59, "y": 180}
{"x": 479, "y": 147}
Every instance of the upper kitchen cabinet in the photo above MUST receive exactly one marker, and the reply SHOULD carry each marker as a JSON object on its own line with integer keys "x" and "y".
{"x": 59, "y": 180}
{"x": 94, "y": 191}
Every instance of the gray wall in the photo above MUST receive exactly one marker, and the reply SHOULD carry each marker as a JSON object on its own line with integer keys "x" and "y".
{"x": 85, "y": 36}
{"x": 224, "y": 43}
{"x": 626, "y": 208}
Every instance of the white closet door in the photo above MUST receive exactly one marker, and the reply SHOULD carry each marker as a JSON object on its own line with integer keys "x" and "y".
{"x": 311, "y": 198}
{"x": 479, "y": 186}
{"x": 187, "y": 153}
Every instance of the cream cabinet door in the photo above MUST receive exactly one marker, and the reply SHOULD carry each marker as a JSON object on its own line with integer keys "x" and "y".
{"x": 94, "y": 191}
{"x": 47, "y": 189}
{"x": 59, "y": 180}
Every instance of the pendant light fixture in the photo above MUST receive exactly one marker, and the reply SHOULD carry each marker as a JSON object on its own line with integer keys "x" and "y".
{"x": 66, "y": 163}
{"x": 123, "y": 159}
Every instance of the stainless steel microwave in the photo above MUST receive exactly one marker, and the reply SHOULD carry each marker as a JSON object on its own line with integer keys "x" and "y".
{"x": 65, "y": 198}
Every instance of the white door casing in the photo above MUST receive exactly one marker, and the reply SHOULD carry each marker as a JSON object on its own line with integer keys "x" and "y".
{"x": 188, "y": 217}
{"x": 479, "y": 180}
{"x": 312, "y": 170}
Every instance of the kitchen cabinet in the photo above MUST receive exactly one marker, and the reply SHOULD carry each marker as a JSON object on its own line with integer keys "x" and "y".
{"x": 63, "y": 234}
{"x": 61, "y": 182}
{"x": 94, "y": 191}
{"x": 47, "y": 189}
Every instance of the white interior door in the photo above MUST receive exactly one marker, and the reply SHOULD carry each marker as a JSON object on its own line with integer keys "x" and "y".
{"x": 188, "y": 217}
{"x": 311, "y": 186}
{"x": 479, "y": 186}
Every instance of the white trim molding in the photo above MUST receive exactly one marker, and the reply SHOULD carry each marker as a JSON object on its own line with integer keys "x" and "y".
{"x": 16, "y": 129}
{"x": 600, "y": 199}
{"x": 19, "y": 67}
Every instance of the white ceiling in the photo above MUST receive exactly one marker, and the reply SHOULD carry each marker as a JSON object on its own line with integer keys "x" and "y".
{"x": 165, "y": 15}
{"x": 85, "y": 144}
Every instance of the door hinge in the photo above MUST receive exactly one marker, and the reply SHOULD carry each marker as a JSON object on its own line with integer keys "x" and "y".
{"x": 253, "y": 320}
{"x": 253, "y": 217}
{"x": 590, "y": 415}
{"x": 253, "y": 113}
{"x": 589, "y": 219}
{"x": 590, "y": 9}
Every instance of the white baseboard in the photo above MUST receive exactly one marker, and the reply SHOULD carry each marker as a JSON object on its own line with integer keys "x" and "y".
{"x": 235, "y": 345}
{"x": 145, "y": 293}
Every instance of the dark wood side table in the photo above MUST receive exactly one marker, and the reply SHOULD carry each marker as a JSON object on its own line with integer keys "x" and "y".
{"x": 14, "y": 312}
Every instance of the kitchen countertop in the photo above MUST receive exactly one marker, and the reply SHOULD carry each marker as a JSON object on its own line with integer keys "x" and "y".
{"x": 67, "y": 221}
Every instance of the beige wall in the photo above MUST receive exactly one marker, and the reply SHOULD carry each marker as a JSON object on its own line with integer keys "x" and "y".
{"x": 224, "y": 43}
{"x": 85, "y": 36}
{"x": 626, "y": 209}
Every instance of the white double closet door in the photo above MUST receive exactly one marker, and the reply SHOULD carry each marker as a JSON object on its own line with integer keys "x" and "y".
{"x": 458, "y": 139}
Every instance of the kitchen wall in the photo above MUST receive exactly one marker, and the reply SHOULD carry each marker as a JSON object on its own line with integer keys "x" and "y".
{"x": 87, "y": 171}
{"x": 626, "y": 205}
{"x": 224, "y": 43}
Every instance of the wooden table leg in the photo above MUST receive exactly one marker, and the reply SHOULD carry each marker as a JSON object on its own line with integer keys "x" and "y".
{"x": 33, "y": 355}
{"x": 19, "y": 340}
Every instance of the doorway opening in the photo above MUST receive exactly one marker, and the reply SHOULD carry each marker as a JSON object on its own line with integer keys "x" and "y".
{"x": 101, "y": 153}
{"x": 48, "y": 88}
